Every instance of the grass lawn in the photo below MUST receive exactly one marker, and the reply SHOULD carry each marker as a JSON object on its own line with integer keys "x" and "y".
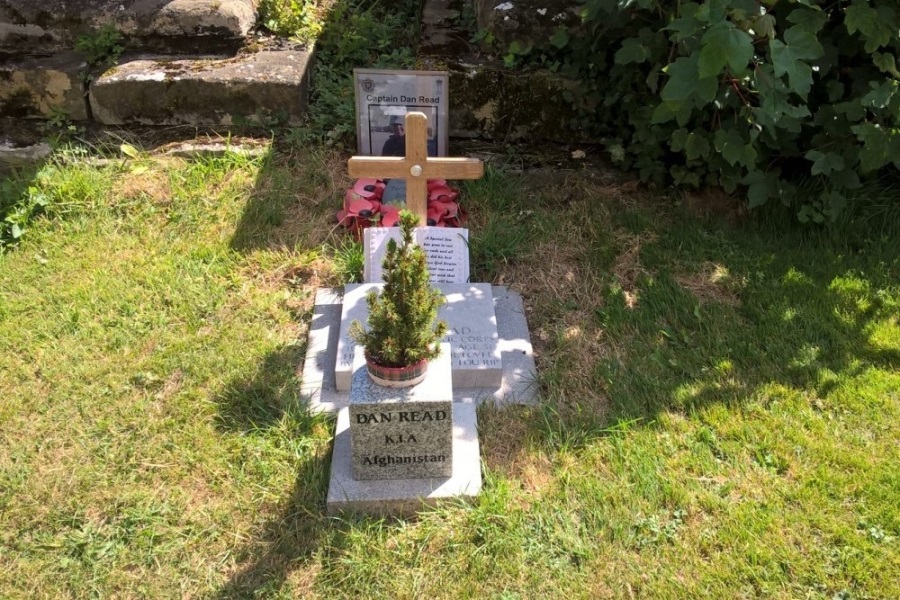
{"x": 719, "y": 415}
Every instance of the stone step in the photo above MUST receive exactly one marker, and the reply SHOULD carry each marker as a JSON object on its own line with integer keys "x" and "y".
{"x": 258, "y": 88}
{"x": 162, "y": 26}
{"x": 43, "y": 87}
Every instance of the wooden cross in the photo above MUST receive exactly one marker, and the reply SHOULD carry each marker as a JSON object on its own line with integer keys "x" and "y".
{"x": 416, "y": 167}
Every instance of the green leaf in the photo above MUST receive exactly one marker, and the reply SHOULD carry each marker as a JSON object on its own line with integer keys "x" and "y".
{"x": 764, "y": 26}
{"x": 632, "y": 51}
{"x": 886, "y": 63}
{"x": 876, "y": 25}
{"x": 734, "y": 149}
{"x": 876, "y": 143}
{"x": 516, "y": 47}
{"x": 130, "y": 151}
{"x": 808, "y": 19}
{"x": 678, "y": 140}
{"x": 834, "y": 202}
{"x": 724, "y": 44}
{"x": 776, "y": 112}
{"x": 663, "y": 113}
{"x": 881, "y": 94}
{"x": 15, "y": 231}
{"x": 825, "y": 162}
{"x": 560, "y": 38}
{"x": 712, "y": 11}
{"x": 788, "y": 58}
{"x": 758, "y": 188}
{"x": 686, "y": 84}
{"x": 860, "y": 17}
{"x": 696, "y": 147}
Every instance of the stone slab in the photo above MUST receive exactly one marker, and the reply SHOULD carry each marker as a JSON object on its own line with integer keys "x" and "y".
{"x": 48, "y": 25}
{"x": 469, "y": 312}
{"x": 518, "y": 383}
{"x": 405, "y": 497}
{"x": 317, "y": 381}
{"x": 41, "y": 87}
{"x": 256, "y": 87}
{"x": 13, "y": 156}
{"x": 403, "y": 433}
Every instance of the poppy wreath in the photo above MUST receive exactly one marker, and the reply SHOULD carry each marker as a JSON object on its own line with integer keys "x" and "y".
{"x": 363, "y": 207}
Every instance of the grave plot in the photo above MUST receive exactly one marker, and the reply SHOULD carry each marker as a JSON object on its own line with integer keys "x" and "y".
{"x": 396, "y": 451}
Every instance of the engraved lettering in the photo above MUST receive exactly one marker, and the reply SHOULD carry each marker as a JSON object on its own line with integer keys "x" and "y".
{"x": 383, "y": 461}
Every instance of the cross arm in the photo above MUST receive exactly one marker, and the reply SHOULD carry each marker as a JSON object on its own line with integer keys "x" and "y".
{"x": 453, "y": 168}
{"x": 378, "y": 167}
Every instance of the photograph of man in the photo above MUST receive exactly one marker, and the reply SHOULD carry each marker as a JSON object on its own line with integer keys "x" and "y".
{"x": 396, "y": 144}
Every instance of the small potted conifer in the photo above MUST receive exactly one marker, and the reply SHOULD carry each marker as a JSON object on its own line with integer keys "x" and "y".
{"x": 403, "y": 332}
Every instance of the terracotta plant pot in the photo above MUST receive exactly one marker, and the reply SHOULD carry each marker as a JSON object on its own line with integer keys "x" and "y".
{"x": 397, "y": 377}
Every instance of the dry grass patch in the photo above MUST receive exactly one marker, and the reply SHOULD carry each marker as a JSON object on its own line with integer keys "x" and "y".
{"x": 627, "y": 267}
{"x": 147, "y": 184}
{"x": 710, "y": 284}
{"x": 506, "y": 447}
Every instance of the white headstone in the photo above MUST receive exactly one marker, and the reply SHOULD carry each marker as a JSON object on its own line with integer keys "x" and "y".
{"x": 446, "y": 250}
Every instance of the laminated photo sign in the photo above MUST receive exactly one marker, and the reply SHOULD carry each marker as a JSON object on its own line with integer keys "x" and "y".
{"x": 382, "y": 100}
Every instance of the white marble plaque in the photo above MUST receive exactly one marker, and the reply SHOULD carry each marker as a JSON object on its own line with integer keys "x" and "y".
{"x": 446, "y": 250}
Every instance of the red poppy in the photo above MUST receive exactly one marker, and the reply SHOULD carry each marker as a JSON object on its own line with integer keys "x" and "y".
{"x": 369, "y": 188}
{"x": 358, "y": 213}
{"x": 363, "y": 207}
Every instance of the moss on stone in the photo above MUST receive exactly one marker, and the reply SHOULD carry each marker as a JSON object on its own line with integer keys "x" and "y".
{"x": 489, "y": 101}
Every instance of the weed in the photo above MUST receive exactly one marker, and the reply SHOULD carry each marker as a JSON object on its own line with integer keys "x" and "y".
{"x": 348, "y": 260}
{"x": 101, "y": 48}
{"x": 59, "y": 128}
{"x": 301, "y": 19}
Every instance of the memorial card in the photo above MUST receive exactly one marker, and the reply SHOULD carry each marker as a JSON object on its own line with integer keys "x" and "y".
{"x": 446, "y": 250}
{"x": 382, "y": 100}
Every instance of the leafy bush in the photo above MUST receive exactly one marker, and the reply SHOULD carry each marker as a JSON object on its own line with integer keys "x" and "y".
{"x": 101, "y": 48}
{"x": 767, "y": 97}
{"x": 350, "y": 34}
{"x": 301, "y": 19}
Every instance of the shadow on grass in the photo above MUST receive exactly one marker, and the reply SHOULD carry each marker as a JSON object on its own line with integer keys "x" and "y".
{"x": 259, "y": 401}
{"x": 300, "y": 526}
{"x": 292, "y": 204}
{"x": 288, "y": 541}
{"x": 719, "y": 314}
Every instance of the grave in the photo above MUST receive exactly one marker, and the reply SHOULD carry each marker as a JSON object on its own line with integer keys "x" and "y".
{"x": 397, "y": 450}
{"x": 406, "y": 491}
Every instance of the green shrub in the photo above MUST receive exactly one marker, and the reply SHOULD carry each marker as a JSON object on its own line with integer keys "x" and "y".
{"x": 403, "y": 325}
{"x": 301, "y": 19}
{"x": 752, "y": 96}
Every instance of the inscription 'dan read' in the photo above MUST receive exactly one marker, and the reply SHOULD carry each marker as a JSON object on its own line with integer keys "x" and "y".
{"x": 403, "y": 416}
